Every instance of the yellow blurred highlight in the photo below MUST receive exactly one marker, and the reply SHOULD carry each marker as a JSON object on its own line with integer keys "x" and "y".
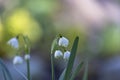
{"x": 18, "y": 22}
{"x": 21, "y": 22}
{"x": 1, "y": 31}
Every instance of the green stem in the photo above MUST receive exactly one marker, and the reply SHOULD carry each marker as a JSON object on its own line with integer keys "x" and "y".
{"x": 85, "y": 77}
{"x": 28, "y": 69}
{"x": 52, "y": 66}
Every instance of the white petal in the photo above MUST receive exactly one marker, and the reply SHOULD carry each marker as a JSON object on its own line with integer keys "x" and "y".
{"x": 27, "y": 57}
{"x": 13, "y": 42}
{"x": 66, "y": 55}
{"x": 58, "y": 54}
{"x": 63, "y": 42}
{"x": 17, "y": 60}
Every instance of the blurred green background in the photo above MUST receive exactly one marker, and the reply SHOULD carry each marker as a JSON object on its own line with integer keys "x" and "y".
{"x": 96, "y": 22}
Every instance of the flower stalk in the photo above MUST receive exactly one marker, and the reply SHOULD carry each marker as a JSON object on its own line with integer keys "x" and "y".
{"x": 28, "y": 69}
{"x": 57, "y": 49}
{"x": 14, "y": 42}
{"x": 52, "y": 66}
{"x": 27, "y": 56}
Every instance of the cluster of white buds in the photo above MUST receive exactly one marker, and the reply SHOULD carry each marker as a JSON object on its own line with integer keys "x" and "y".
{"x": 62, "y": 42}
{"x": 19, "y": 60}
{"x": 13, "y": 43}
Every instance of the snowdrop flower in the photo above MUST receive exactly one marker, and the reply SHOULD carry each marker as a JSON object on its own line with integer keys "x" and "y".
{"x": 17, "y": 60}
{"x": 27, "y": 57}
{"x": 13, "y": 42}
{"x": 58, "y": 54}
{"x": 63, "y": 42}
{"x": 66, "y": 55}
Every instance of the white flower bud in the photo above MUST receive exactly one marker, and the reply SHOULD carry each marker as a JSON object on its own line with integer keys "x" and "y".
{"x": 66, "y": 55}
{"x": 17, "y": 60}
{"x": 13, "y": 42}
{"x": 58, "y": 54}
{"x": 63, "y": 42}
{"x": 27, "y": 57}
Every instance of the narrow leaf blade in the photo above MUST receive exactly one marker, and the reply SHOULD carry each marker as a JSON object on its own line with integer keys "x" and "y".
{"x": 71, "y": 59}
{"x": 77, "y": 70}
{"x": 85, "y": 76}
{"x": 62, "y": 75}
{"x": 5, "y": 71}
{"x": 4, "y": 74}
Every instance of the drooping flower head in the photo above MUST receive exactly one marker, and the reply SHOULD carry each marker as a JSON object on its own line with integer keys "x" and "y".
{"x": 63, "y": 41}
{"x": 59, "y": 46}
{"x": 17, "y": 60}
{"x": 58, "y": 54}
{"x": 66, "y": 55}
{"x": 13, "y": 42}
{"x": 27, "y": 57}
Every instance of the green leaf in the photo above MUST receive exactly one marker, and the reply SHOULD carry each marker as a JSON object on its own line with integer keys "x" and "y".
{"x": 85, "y": 76}
{"x": 62, "y": 75}
{"x": 52, "y": 66}
{"x": 71, "y": 59}
{"x": 77, "y": 70}
{"x": 6, "y": 73}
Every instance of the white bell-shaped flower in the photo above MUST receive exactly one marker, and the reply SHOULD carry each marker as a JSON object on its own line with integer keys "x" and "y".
{"x": 27, "y": 57}
{"x": 63, "y": 42}
{"x": 13, "y": 42}
{"x": 17, "y": 60}
{"x": 66, "y": 55}
{"x": 58, "y": 54}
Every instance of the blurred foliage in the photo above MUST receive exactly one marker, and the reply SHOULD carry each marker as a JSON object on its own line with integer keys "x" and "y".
{"x": 1, "y": 31}
{"x": 49, "y": 33}
{"x": 21, "y": 22}
{"x": 34, "y": 18}
{"x": 111, "y": 37}
{"x": 38, "y": 7}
